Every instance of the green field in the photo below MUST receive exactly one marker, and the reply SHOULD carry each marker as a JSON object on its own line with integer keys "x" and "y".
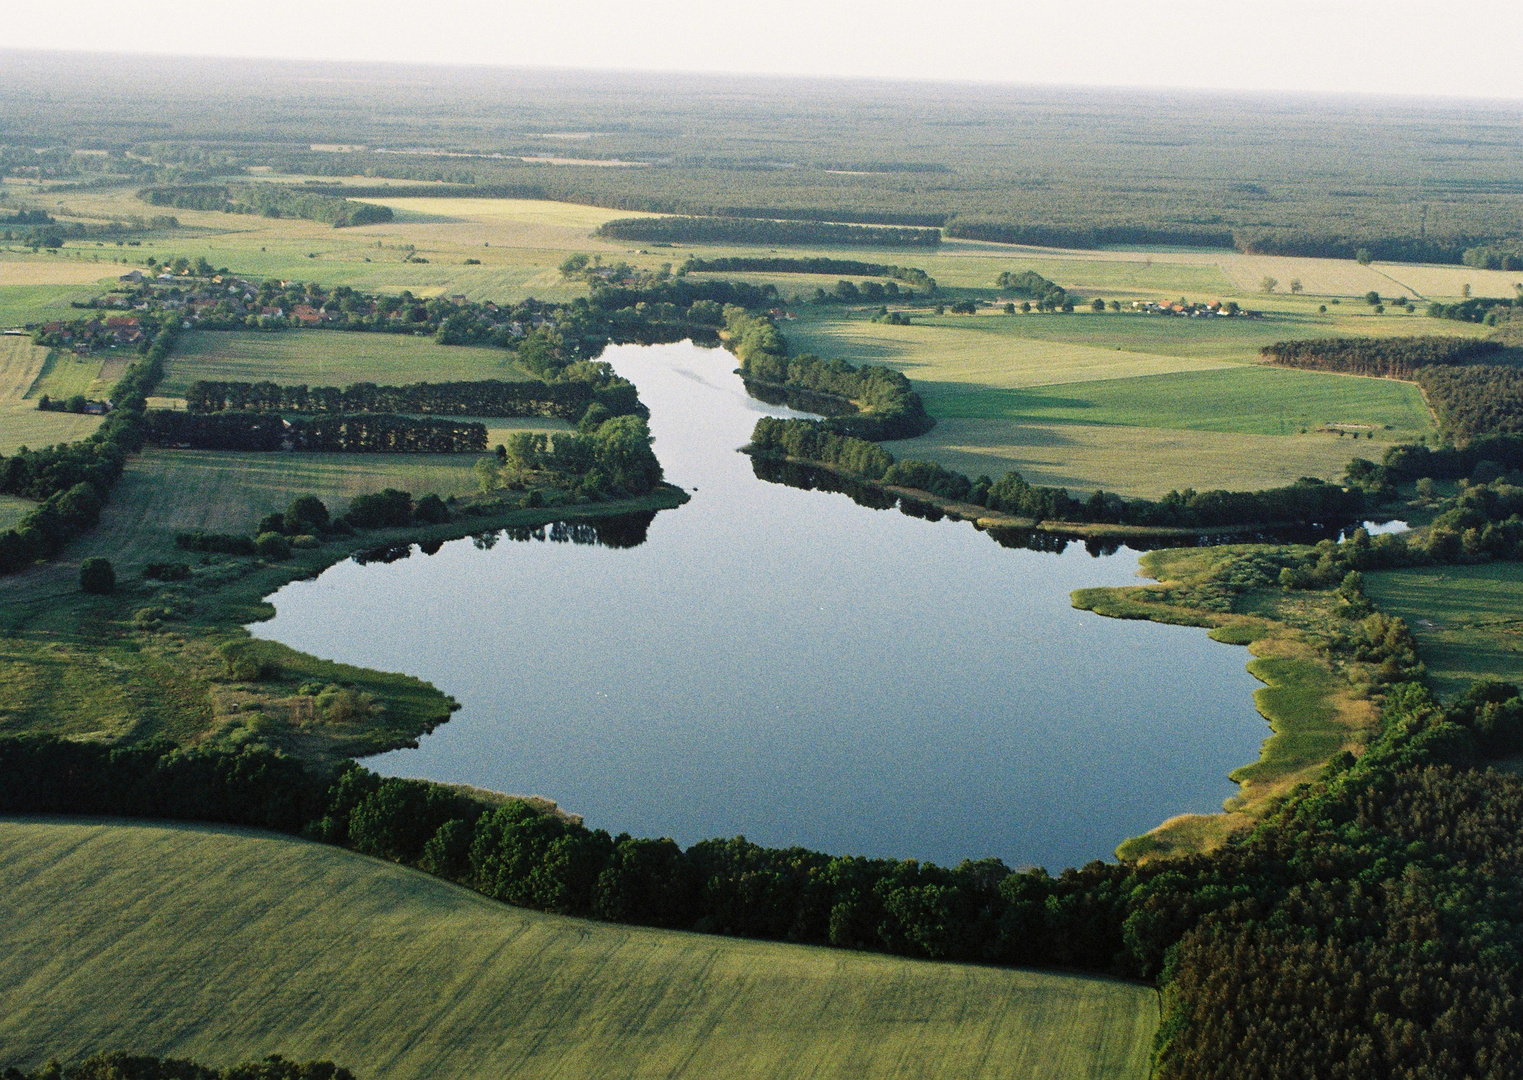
{"x": 64, "y": 374}
{"x": 168, "y": 491}
{"x": 1468, "y": 620}
{"x": 220, "y": 945}
{"x": 328, "y": 358}
{"x": 22, "y": 366}
{"x": 1248, "y": 400}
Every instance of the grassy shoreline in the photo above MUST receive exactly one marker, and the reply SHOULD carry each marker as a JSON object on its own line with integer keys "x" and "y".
{"x": 175, "y": 660}
{"x": 1311, "y": 701}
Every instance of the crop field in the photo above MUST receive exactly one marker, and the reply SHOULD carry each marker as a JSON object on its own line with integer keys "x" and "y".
{"x": 1133, "y": 404}
{"x": 168, "y": 491}
{"x": 1129, "y": 461}
{"x": 1468, "y": 620}
{"x": 221, "y": 945}
{"x": 1251, "y": 400}
{"x": 328, "y": 358}
{"x": 21, "y": 424}
{"x": 64, "y": 374}
{"x": 21, "y": 305}
{"x": 55, "y": 269}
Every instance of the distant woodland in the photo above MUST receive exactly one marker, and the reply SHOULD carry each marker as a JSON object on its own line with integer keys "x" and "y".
{"x": 1401, "y": 180}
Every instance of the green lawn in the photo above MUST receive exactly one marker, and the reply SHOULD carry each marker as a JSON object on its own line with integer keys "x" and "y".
{"x": 1468, "y": 620}
{"x": 218, "y": 944}
{"x": 328, "y": 358}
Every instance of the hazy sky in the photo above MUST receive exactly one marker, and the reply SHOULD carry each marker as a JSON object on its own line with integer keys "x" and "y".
{"x": 1465, "y": 47}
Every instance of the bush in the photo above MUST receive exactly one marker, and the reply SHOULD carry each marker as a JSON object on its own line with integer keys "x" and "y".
{"x": 388, "y": 509}
{"x": 97, "y": 576}
{"x": 431, "y": 510}
{"x": 272, "y": 545}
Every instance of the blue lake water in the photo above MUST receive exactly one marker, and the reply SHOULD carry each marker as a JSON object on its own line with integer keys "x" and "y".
{"x": 793, "y": 667}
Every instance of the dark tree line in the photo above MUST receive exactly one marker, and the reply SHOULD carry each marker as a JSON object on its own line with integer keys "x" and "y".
{"x": 1391, "y": 358}
{"x": 368, "y": 433}
{"x": 268, "y": 200}
{"x": 566, "y": 400}
{"x": 740, "y": 230}
{"x": 1478, "y": 309}
{"x": 1049, "y": 295}
{"x": 123, "y": 1066}
{"x": 1502, "y": 453}
{"x": 780, "y": 264}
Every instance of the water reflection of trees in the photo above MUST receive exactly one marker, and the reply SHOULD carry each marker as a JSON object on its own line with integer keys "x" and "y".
{"x": 800, "y": 400}
{"x": 614, "y": 531}
{"x": 812, "y": 478}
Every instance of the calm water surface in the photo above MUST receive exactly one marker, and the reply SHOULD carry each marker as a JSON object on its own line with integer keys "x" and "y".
{"x": 793, "y": 667}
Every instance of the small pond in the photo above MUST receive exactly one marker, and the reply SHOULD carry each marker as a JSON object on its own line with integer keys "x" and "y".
{"x": 792, "y": 666}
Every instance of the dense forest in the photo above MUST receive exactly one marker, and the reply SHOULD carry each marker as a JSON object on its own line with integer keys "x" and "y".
{"x": 268, "y": 200}
{"x": 1474, "y": 400}
{"x": 1392, "y": 357}
{"x": 740, "y": 230}
{"x": 1406, "y": 180}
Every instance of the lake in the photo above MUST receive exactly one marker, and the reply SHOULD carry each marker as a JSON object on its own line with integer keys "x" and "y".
{"x": 791, "y": 666}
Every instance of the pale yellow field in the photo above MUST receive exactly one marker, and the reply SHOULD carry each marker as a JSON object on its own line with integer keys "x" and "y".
{"x": 1145, "y": 271}
{"x": 1130, "y": 461}
{"x": 1449, "y": 281}
{"x": 56, "y": 270}
{"x": 953, "y": 355}
{"x": 475, "y": 223}
{"x": 20, "y": 364}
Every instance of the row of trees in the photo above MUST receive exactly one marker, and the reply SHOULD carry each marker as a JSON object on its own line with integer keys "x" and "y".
{"x": 368, "y": 433}
{"x": 268, "y": 200}
{"x": 1393, "y": 358}
{"x": 73, "y": 480}
{"x": 743, "y": 230}
{"x": 1305, "y": 503}
{"x": 119, "y": 1065}
{"x": 782, "y": 264}
{"x": 565, "y": 399}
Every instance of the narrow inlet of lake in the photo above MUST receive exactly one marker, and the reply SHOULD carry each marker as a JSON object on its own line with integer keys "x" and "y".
{"x": 792, "y": 667}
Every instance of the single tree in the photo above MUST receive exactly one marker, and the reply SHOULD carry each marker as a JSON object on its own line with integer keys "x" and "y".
{"x": 1295, "y": 286}
{"x": 1268, "y": 284}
